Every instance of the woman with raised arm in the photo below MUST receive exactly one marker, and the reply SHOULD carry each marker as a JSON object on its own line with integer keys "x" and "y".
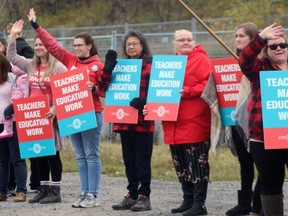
{"x": 85, "y": 144}
{"x": 39, "y": 70}
{"x": 244, "y": 33}
{"x": 270, "y": 163}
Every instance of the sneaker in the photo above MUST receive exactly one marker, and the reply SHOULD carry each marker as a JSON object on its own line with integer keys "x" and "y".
{"x": 79, "y": 200}
{"x": 20, "y": 197}
{"x": 125, "y": 204}
{"x": 11, "y": 193}
{"x": 89, "y": 202}
{"x": 143, "y": 204}
{"x": 3, "y": 197}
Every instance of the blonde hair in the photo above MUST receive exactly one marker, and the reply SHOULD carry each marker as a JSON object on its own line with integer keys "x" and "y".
{"x": 176, "y": 34}
{"x": 36, "y": 62}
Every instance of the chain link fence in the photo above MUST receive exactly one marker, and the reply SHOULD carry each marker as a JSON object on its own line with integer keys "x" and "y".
{"x": 159, "y": 37}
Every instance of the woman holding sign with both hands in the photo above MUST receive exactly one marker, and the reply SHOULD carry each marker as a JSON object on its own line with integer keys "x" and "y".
{"x": 137, "y": 139}
{"x": 270, "y": 163}
{"x": 39, "y": 69}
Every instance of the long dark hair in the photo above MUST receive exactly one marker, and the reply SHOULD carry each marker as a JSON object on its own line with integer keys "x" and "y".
{"x": 3, "y": 41}
{"x": 88, "y": 40}
{"x": 5, "y": 67}
{"x": 36, "y": 62}
{"x": 143, "y": 42}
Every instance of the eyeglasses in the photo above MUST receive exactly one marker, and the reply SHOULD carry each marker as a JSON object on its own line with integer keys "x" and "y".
{"x": 281, "y": 45}
{"x": 133, "y": 44}
{"x": 182, "y": 40}
{"x": 77, "y": 45}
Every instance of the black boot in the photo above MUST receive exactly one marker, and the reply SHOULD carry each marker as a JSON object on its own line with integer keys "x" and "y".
{"x": 43, "y": 193}
{"x": 200, "y": 193}
{"x": 272, "y": 205}
{"x": 261, "y": 212}
{"x": 53, "y": 195}
{"x": 244, "y": 204}
{"x": 187, "y": 188}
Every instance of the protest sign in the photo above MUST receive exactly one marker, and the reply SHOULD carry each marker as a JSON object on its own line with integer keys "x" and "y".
{"x": 166, "y": 80}
{"x": 35, "y": 133}
{"x": 274, "y": 96}
{"x": 227, "y": 76}
{"x": 73, "y": 101}
{"x": 124, "y": 86}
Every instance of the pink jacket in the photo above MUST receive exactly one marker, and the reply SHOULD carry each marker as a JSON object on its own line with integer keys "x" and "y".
{"x": 194, "y": 116}
{"x": 20, "y": 88}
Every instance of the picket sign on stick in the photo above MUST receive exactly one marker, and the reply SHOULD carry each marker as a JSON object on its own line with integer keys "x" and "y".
{"x": 208, "y": 29}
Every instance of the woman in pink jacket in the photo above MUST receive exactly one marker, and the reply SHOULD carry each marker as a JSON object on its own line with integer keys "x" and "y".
{"x": 19, "y": 90}
{"x": 189, "y": 136}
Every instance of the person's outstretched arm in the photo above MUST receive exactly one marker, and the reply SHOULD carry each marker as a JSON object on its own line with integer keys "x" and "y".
{"x": 49, "y": 42}
{"x": 20, "y": 61}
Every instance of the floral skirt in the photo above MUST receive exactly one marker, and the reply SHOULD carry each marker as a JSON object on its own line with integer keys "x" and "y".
{"x": 191, "y": 161}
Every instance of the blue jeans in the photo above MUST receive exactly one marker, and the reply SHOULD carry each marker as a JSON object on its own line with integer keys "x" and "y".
{"x": 9, "y": 151}
{"x": 86, "y": 148}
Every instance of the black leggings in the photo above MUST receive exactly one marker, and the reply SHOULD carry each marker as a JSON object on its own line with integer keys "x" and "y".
{"x": 50, "y": 163}
{"x": 246, "y": 162}
{"x": 271, "y": 167}
{"x": 137, "y": 148}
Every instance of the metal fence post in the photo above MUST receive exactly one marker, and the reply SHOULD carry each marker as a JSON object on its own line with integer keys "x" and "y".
{"x": 194, "y": 28}
{"x": 126, "y": 27}
{"x": 114, "y": 41}
{"x": 114, "y": 44}
{"x": 62, "y": 35}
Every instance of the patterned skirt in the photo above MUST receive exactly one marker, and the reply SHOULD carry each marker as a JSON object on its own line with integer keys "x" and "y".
{"x": 191, "y": 161}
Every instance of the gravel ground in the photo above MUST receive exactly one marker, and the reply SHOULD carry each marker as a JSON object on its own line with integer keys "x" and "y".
{"x": 165, "y": 195}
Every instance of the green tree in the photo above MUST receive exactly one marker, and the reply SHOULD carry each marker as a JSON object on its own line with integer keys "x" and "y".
{"x": 77, "y": 13}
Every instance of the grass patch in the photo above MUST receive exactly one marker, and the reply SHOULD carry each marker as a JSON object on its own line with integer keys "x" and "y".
{"x": 224, "y": 166}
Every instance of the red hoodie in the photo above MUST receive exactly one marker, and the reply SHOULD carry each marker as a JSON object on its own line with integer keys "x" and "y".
{"x": 93, "y": 64}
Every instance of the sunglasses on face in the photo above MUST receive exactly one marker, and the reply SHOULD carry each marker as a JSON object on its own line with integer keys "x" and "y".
{"x": 281, "y": 45}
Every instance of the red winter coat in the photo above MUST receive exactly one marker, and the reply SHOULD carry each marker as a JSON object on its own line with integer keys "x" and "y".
{"x": 194, "y": 117}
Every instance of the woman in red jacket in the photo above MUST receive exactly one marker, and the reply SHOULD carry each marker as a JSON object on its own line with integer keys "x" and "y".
{"x": 86, "y": 143}
{"x": 189, "y": 136}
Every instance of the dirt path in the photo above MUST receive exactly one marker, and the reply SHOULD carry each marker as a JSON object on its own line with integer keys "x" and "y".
{"x": 165, "y": 195}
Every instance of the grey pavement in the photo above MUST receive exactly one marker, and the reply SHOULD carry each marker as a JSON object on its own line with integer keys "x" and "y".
{"x": 165, "y": 195}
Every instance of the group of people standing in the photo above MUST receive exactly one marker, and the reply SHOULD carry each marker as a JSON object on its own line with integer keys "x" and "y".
{"x": 189, "y": 137}
{"x": 50, "y": 58}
